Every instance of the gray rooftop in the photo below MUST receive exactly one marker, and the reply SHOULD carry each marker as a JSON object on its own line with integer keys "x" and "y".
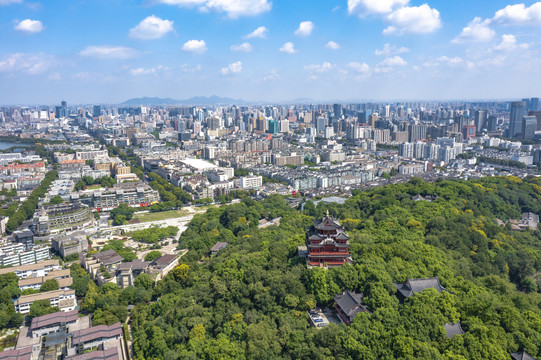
{"x": 453, "y": 329}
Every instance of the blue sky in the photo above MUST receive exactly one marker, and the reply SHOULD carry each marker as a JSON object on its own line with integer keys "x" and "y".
{"x": 106, "y": 51}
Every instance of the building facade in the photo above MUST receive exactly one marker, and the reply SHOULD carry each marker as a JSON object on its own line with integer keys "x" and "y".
{"x": 328, "y": 244}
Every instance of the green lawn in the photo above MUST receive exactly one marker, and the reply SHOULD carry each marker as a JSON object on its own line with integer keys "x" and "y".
{"x": 164, "y": 215}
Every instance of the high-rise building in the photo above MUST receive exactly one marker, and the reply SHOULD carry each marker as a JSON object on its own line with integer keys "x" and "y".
{"x": 529, "y": 126}
{"x": 387, "y": 112}
{"x": 96, "y": 112}
{"x": 406, "y": 150}
{"x": 534, "y": 104}
{"x": 62, "y": 110}
{"x": 321, "y": 123}
{"x": 481, "y": 118}
{"x": 214, "y": 123}
{"x": 518, "y": 110}
{"x": 261, "y": 124}
{"x": 273, "y": 127}
{"x": 417, "y": 132}
{"x": 337, "y": 110}
{"x": 492, "y": 123}
{"x": 537, "y": 114}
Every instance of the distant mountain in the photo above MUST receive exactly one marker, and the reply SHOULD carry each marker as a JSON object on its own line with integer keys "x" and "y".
{"x": 197, "y": 100}
{"x": 150, "y": 101}
{"x": 212, "y": 100}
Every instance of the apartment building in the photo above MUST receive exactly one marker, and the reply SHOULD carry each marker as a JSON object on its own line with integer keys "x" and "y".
{"x": 64, "y": 299}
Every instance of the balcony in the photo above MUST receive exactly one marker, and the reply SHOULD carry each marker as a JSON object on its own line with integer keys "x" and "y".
{"x": 328, "y": 253}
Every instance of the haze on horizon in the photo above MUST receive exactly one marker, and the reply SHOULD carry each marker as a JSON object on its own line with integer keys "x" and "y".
{"x": 258, "y": 50}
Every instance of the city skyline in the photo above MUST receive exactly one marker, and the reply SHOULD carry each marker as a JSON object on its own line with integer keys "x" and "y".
{"x": 98, "y": 52}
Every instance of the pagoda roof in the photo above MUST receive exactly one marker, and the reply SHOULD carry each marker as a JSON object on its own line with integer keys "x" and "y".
{"x": 413, "y": 286}
{"x": 327, "y": 223}
{"x": 350, "y": 302}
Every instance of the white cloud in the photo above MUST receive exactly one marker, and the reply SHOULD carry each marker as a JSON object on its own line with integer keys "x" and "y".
{"x": 143, "y": 71}
{"x": 32, "y": 64}
{"x": 519, "y": 14}
{"x": 260, "y": 32}
{"x": 413, "y": 20}
{"x": 9, "y": 2}
{"x": 190, "y": 69}
{"x": 54, "y": 76}
{"x": 389, "y": 49}
{"x": 332, "y": 45}
{"x": 233, "y": 8}
{"x": 288, "y": 47}
{"x": 93, "y": 77}
{"x": 478, "y": 30}
{"x": 233, "y": 68}
{"x": 316, "y": 68}
{"x": 272, "y": 75}
{"x": 362, "y": 68}
{"x": 393, "y": 61}
{"x": 109, "y": 52}
{"x": 366, "y": 7}
{"x": 445, "y": 60}
{"x": 195, "y": 46}
{"x": 305, "y": 28}
{"x": 388, "y": 64}
{"x": 152, "y": 27}
{"x": 509, "y": 42}
{"x": 29, "y": 26}
{"x": 244, "y": 47}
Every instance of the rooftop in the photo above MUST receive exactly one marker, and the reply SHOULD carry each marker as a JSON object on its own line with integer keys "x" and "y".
{"x": 44, "y": 296}
{"x": 97, "y": 332}
{"x": 199, "y": 164}
{"x": 453, "y": 329}
{"x": 54, "y": 318}
{"x": 30, "y": 267}
{"x": 164, "y": 260}
{"x": 109, "y": 354}
{"x": 20, "y": 354}
{"x": 413, "y": 286}
{"x": 350, "y": 302}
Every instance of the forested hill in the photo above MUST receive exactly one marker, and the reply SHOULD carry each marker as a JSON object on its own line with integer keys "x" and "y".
{"x": 249, "y": 301}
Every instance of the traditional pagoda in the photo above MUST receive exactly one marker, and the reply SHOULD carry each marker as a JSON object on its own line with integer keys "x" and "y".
{"x": 328, "y": 244}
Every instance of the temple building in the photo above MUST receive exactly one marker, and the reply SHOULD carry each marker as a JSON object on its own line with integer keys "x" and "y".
{"x": 328, "y": 244}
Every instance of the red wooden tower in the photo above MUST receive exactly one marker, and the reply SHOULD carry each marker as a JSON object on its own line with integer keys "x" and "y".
{"x": 328, "y": 244}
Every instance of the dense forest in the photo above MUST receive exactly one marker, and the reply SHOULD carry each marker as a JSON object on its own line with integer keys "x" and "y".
{"x": 249, "y": 301}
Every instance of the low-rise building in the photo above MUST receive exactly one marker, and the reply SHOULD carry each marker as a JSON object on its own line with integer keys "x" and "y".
{"x": 102, "y": 266}
{"x": 17, "y": 354}
{"x": 163, "y": 265}
{"x": 348, "y": 305}
{"x": 134, "y": 194}
{"x": 107, "y": 354}
{"x": 25, "y": 237}
{"x": 67, "y": 245}
{"x": 55, "y": 322}
{"x": 41, "y": 268}
{"x": 251, "y": 182}
{"x": 64, "y": 299}
{"x": 51, "y": 219}
{"x": 414, "y": 286}
{"x": 96, "y": 335}
{"x": 15, "y": 254}
{"x": 127, "y": 272}
{"x": 217, "y": 247}
{"x": 62, "y": 276}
